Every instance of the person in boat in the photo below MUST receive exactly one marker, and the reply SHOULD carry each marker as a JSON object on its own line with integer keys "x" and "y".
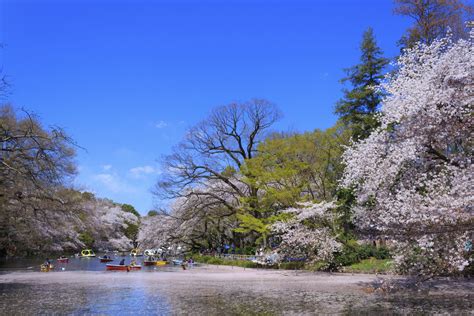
{"x": 133, "y": 263}
{"x": 47, "y": 262}
{"x": 122, "y": 262}
{"x": 105, "y": 257}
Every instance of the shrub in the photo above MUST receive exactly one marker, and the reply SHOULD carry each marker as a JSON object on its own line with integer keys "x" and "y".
{"x": 353, "y": 252}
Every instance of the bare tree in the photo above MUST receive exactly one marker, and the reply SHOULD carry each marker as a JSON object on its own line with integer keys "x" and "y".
{"x": 433, "y": 18}
{"x": 34, "y": 164}
{"x": 205, "y": 166}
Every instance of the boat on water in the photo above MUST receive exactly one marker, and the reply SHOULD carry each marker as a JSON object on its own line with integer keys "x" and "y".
{"x": 62, "y": 260}
{"x": 153, "y": 252}
{"x": 118, "y": 267}
{"x": 149, "y": 263}
{"x": 46, "y": 267}
{"x": 86, "y": 253}
{"x": 154, "y": 262}
{"x": 105, "y": 259}
{"x": 161, "y": 262}
{"x": 136, "y": 252}
{"x": 177, "y": 262}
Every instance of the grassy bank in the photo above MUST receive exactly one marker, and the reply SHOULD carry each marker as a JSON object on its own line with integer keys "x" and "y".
{"x": 370, "y": 265}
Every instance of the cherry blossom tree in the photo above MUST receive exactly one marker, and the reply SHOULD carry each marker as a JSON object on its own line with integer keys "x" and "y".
{"x": 309, "y": 233}
{"x": 413, "y": 176}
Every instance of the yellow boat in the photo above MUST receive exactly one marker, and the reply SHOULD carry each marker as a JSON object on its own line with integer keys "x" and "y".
{"x": 136, "y": 252}
{"x": 86, "y": 253}
{"x": 161, "y": 263}
{"x": 46, "y": 267}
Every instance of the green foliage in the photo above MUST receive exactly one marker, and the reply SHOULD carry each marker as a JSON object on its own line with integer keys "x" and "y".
{"x": 131, "y": 231}
{"x": 290, "y": 169}
{"x": 88, "y": 196}
{"x": 261, "y": 226}
{"x": 87, "y": 239}
{"x": 293, "y": 265}
{"x": 248, "y": 250}
{"x": 130, "y": 209}
{"x": 345, "y": 199}
{"x": 225, "y": 262}
{"x": 353, "y": 252}
{"x": 359, "y": 105}
{"x": 371, "y": 265}
{"x": 152, "y": 213}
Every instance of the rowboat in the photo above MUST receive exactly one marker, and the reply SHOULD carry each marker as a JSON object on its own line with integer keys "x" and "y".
{"x": 177, "y": 262}
{"x": 62, "y": 260}
{"x": 46, "y": 267}
{"x": 105, "y": 259}
{"x": 118, "y": 267}
{"x": 161, "y": 263}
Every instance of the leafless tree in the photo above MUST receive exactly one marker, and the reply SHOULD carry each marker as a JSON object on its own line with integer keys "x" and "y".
{"x": 433, "y": 18}
{"x": 34, "y": 164}
{"x": 204, "y": 167}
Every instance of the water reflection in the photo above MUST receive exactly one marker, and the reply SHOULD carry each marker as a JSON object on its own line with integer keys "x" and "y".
{"x": 85, "y": 288}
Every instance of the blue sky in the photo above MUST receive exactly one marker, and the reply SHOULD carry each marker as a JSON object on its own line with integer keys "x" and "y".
{"x": 126, "y": 78}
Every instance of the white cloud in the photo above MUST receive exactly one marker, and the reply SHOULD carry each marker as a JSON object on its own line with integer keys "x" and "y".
{"x": 113, "y": 183}
{"x": 141, "y": 171}
{"x": 161, "y": 124}
{"x": 107, "y": 167}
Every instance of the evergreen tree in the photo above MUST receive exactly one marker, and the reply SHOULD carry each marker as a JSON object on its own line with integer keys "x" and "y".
{"x": 359, "y": 105}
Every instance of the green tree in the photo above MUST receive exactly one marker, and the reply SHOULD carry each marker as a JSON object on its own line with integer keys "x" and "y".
{"x": 131, "y": 232}
{"x": 360, "y": 104}
{"x": 130, "y": 209}
{"x": 290, "y": 169}
{"x": 87, "y": 239}
{"x": 152, "y": 213}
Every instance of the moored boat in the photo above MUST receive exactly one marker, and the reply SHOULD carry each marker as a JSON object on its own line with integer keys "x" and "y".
{"x": 86, "y": 253}
{"x": 105, "y": 259}
{"x": 161, "y": 262}
{"x": 136, "y": 253}
{"x": 62, "y": 260}
{"x": 177, "y": 262}
{"x": 46, "y": 267}
{"x": 118, "y": 267}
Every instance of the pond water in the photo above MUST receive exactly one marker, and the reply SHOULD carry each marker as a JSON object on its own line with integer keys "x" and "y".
{"x": 75, "y": 264}
{"x": 85, "y": 288}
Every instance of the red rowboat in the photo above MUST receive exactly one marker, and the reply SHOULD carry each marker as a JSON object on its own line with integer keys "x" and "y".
{"x": 106, "y": 259}
{"x": 63, "y": 260}
{"x": 117, "y": 267}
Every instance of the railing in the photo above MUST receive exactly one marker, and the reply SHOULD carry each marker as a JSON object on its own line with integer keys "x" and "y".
{"x": 239, "y": 257}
